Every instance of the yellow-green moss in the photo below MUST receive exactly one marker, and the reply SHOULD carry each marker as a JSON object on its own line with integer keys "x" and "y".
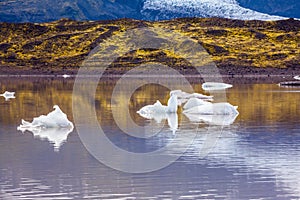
{"x": 257, "y": 44}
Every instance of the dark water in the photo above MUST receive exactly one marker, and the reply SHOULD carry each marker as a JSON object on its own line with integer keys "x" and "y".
{"x": 256, "y": 157}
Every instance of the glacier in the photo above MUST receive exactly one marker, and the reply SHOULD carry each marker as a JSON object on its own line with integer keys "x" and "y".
{"x": 167, "y": 9}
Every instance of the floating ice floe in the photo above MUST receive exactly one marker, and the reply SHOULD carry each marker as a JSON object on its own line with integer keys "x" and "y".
{"x": 183, "y": 97}
{"x": 213, "y": 109}
{"x": 160, "y": 112}
{"x": 297, "y": 77}
{"x": 54, "y": 127}
{"x": 193, "y": 102}
{"x": 55, "y": 119}
{"x": 215, "y": 86}
{"x": 66, "y": 76}
{"x": 158, "y": 108}
{"x": 220, "y": 120}
{"x": 211, "y": 113}
{"x": 195, "y": 109}
{"x": 8, "y": 95}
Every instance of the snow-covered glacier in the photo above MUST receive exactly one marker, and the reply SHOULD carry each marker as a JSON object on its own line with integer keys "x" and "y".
{"x": 168, "y": 9}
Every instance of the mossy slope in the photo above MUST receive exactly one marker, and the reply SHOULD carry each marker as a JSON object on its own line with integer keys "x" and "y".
{"x": 64, "y": 44}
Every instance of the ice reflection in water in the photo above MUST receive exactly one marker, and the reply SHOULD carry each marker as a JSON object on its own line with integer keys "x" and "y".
{"x": 56, "y": 136}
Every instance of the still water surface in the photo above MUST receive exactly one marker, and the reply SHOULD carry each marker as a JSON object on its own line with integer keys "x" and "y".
{"x": 256, "y": 157}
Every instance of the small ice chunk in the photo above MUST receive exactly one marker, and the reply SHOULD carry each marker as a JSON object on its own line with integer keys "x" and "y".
{"x": 8, "y": 95}
{"x": 215, "y": 86}
{"x": 54, "y": 127}
{"x": 55, "y": 119}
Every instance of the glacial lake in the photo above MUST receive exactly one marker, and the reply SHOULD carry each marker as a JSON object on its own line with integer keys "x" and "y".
{"x": 257, "y": 156}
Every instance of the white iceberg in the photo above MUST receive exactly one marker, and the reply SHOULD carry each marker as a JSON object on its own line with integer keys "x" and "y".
{"x": 66, "y": 76}
{"x": 55, "y": 119}
{"x": 193, "y": 102}
{"x": 55, "y": 127}
{"x": 213, "y": 109}
{"x": 297, "y": 77}
{"x": 158, "y": 108}
{"x": 160, "y": 112}
{"x": 184, "y": 95}
{"x": 215, "y": 86}
{"x": 219, "y": 120}
{"x": 8, "y": 95}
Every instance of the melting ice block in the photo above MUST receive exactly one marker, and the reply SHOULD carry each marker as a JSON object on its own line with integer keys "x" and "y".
{"x": 193, "y": 102}
{"x": 184, "y": 95}
{"x": 54, "y": 127}
{"x": 213, "y": 109}
{"x": 55, "y": 119}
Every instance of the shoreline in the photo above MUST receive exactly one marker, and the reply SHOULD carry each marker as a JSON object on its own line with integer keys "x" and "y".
{"x": 230, "y": 74}
{"x": 236, "y": 79}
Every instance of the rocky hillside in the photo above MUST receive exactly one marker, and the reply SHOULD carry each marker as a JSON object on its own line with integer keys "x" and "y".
{"x": 234, "y": 45}
{"x": 50, "y": 10}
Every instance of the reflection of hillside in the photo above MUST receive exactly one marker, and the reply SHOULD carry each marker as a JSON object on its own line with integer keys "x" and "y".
{"x": 35, "y": 97}
{"x": 264, "y": 103}
{"x": 259, "y": 102}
